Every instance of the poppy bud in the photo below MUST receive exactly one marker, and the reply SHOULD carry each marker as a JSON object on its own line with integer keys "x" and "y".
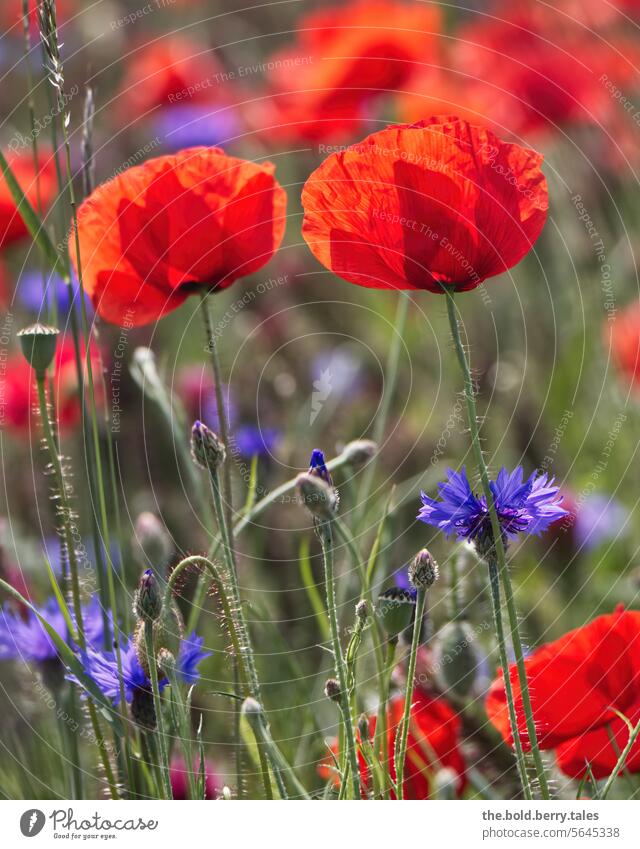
{"x": 147, "y": 603}
{"x": 153, "y": 539}
{"x": 317, "y": 496}
{"x": 332, "y": 690}
{"x": 362, "y": 610}
{"x": 395, "y": 609}
{"x": 423, "y": 570}
{"x": 455, "y": 658}
{"x": 38, "y": 343}
{"x": 359, "y": 452}
{"x": 445, "y": 783}
{"x": 364, "y": 728}
{"x": 207, "y": 450}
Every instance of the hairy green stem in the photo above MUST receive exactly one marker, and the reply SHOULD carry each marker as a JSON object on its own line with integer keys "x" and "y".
{"x": 498, "y": 544}
{"x": 157, "y": 706}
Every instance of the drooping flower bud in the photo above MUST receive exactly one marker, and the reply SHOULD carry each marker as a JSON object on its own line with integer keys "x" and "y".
{"x": 147, "y": 603}
{"x": 332, "y": 689}
{"x": 455, "y": 658}
{"x": 395, "y": 608}
{"x": 153, "y": 539}
{"x": 423, "y": 570}
{"x": 317, "y": 496}
{"x": 38, "y": 343}
{"x": 359, "y": 452}
{"x": 207, "y": 450}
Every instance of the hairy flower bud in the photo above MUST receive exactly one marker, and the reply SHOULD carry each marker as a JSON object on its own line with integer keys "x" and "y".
{"x": 362, "y": 610}
{"x": 456, "y": 658}
{"x": 153, "y": 539}
{"x": 395, "y": 608}
{"x": 317, "y": 496}
{"x": 423, "y": 570}
{"x": 38, "y": 343}
{"x": 364, "y": 729}
{"x": 207, "y": 450}
{"x": 148, "y": 598}
{"x": 332, "y": 690}
{"x": 359, "y": 452}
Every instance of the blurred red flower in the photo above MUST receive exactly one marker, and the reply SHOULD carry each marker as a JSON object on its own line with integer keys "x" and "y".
{"x": 11, "y": 13}
{"x": 414, "y": 206}
{"x": 12, "y": 227}
{"x": 174, "y": 69}
{"x": 623, "y": 336}
{"x": 433, "y": 743}
{"x": 19, "y": 396}
{"x": 5, "y": 289}
{"x": 577, "y": 684}
{"x": 344, "y": 57}
{"x": 176, "y": 225}
{"x": 180, "y": 781}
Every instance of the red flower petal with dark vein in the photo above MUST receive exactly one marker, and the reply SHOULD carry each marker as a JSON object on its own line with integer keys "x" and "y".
{"x": 417, "y": 206}
{"x": 577, "y": 684}
{"x": 161, "y": 231}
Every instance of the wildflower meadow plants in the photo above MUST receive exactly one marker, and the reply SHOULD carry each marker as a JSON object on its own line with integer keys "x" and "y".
{"x": 252, "y": 596}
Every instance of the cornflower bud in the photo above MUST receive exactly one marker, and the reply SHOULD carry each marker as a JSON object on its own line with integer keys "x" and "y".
{"x": 359, "y": 452}
{"x": 364, "y": 729}
{"x": 332, "y": 690}
{"x": 317, "y": 496}
{"x": 362, "y": 610}
{"x": 147, "y": 603}
{"x": 207, "y": 450}
{"x": 423, "y": 570}
{"x": 153, "y": 539}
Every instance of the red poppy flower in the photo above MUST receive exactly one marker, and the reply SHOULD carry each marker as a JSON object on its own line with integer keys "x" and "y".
{"x": 18, "y": 396}
{"x": 4, "y": 287}
{"x": 433, "y": 743}
{"x": 12, "y": 227}
{"x": 577, "y": 684}
{"x": 416, "y": 206}
{"x": 345, "y": 56}
{"x": 175, "y": 225}
{"x": 623, "y": 336}
{"x": 178, "y": 774}
{"x": 174, "y": 69}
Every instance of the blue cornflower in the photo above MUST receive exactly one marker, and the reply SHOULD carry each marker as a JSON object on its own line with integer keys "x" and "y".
{"x": 523, "y": 507}
{"x": 251, "y": 440}
{"x": 318, "y": 467}
{"x": 401, "y": 580}
{"x": 102, "y": 666}
{"x": 24, "y": 638}
{"x": 31, "y": 295}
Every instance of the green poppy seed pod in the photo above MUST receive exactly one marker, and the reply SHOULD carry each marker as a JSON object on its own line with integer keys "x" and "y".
{"x": 395, "y": 609}
{"x": 364, "y": 729}
{"x": 456, "y": 659}
{"x": 207, "y": 450}
{"x": 423, "y": 570}
{"x": 332, "y": 690}
{"x": 317, "y": 496}
{"x": 359, "y": 452}
{"x": 155, "y": 546}
{"x": 38, "y": 343}
{"x": 362, "y": 610}
{"x": 147, "y": 603}
{"x": 445, "y": 784}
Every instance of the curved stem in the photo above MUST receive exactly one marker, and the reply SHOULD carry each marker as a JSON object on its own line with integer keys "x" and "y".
{"x": 401, "y": 750}
{"x": 498, "y": 544}
{"x": 326, "y": 538}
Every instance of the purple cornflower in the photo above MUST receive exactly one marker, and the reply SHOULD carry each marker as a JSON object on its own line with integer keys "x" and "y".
{"x": 599, "y": 519}
{"x": 251, "y": 440}
{"x": 102, "y": 666}
{"x": 186, "y": 125}
{"x": 523, "y": 507}
{"x": 26, "y": 639}
{"x": 30, "y": 294}
{"x": 318, "y": 467}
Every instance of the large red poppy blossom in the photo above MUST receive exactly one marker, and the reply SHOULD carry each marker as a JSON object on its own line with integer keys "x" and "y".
{"x": 160, "y": 231}
{"x": 416, "y": 206}
{"x": 433, "y": 743}
{"x": 344, "y": 57}
{"x": 12, "y": 227}
{"x": 19, "y": 396}
{"x": 623, "y": 335}
{"x": 577, "y": 684}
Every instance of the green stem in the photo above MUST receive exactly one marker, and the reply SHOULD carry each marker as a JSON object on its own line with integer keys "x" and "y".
{"x": 499, "y": 547}
{"x": 381, "y": 740}
{"x": 157, "y": 706}
{"x": 326, "y": 539}
{"x": 401, "y": 749}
